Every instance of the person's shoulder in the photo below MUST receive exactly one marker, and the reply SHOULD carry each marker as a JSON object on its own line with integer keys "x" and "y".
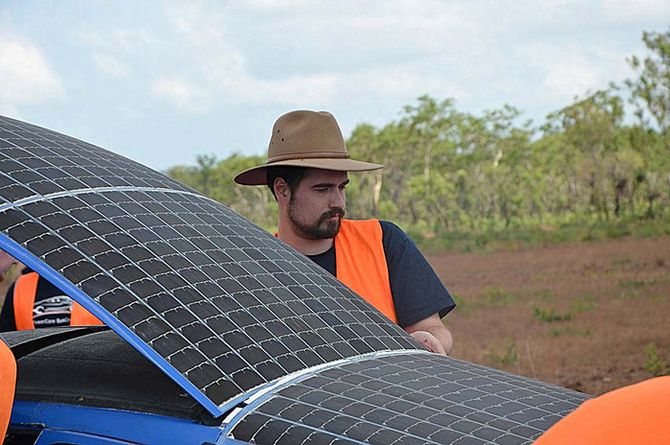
{"x": 390, "y": 225}
{"x": 392, "y": 230}
{"x": 395, "y": 239}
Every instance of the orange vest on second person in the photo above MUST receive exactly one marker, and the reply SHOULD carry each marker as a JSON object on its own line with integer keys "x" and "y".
{"x": 361, "y": 263}
{"x": 634, "y": 414}
{"x": 25, "y": 291}
{"x": 7, "y": 386}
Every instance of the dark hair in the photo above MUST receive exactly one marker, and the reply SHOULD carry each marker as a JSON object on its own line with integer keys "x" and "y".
{"x": 292, "y": 175}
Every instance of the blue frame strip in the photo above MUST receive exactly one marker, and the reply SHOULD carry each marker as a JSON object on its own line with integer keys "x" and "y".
{"x": 122, "y": 425}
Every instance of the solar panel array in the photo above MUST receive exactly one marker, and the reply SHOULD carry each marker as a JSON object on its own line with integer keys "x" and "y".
{"x": 413, "y": 398}
{"x": 224, "y": 302}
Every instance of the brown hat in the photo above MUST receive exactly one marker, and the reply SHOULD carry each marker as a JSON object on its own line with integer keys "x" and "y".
{"x": 305, "y": 139}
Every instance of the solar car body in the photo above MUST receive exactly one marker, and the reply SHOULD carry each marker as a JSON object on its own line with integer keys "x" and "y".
{"x": 216, "y": 332}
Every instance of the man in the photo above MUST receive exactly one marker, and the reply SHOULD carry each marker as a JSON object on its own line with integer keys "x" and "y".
{"x": 306, "y": 171}
{"x": 33, "y": 302}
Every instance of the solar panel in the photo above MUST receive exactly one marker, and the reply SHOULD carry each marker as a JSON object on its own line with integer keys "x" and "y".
{"x": 227, "y": 305}
{"x": 413, "y": 398}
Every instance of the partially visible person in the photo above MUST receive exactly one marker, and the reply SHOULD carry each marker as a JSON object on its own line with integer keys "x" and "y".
{"x": 634, "y": 414}
{"x": 7, "y": 386}
{"x": 7, "y": 262}
{"x": 33, "y": 302}
{"x": 306, "y": 171}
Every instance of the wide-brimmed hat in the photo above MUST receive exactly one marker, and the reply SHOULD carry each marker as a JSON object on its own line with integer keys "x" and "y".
{"x": 305, "y": 139}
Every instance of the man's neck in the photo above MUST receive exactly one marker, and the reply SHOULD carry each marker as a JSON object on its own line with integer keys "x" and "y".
{"x": 305, "y": 246}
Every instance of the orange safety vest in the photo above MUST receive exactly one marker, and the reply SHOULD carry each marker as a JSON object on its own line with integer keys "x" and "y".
{"x": 638, "y": 413}
{"x": 7, "y": 386}
{"x": 25, "y": 290}
{"x": 361, "y": 263}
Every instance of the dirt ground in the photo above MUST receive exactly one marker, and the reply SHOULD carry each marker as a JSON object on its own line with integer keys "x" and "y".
{"x": 585, "y": 315}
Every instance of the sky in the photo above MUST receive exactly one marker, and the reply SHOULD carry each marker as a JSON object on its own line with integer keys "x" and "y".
{"x": 162, "y": 82}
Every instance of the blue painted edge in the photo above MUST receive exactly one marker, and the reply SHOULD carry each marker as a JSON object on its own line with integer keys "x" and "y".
{"x": 131, "y": 426}
{"x": 23, "y": 255}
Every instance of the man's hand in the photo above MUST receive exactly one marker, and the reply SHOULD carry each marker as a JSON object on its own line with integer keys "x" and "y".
{"x": 429, "y": 341}
{"x": 429, "y": 331}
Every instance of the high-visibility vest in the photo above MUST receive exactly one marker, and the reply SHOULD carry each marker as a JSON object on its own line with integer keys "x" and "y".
{"x": 25, "y": 291}
{"x": 361, "y": 263}
{"x": 638, "y": 413}
{"x": 7, "y": 386}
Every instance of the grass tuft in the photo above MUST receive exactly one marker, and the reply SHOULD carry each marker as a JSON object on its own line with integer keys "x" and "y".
{"x": 583, "y": 303}
{"x": 569, "y": 330}
{"x": 550, "y": 315}
{"x": 655, "y": 364}
{"x": 505, "y": 355}
{"x": 497, "y": 297}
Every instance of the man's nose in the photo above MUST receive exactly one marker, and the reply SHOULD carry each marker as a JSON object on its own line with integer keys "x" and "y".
{"x": 338, "y": 199}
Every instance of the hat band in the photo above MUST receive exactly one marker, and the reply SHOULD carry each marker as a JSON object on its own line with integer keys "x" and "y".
{"x": 309, "y": 155}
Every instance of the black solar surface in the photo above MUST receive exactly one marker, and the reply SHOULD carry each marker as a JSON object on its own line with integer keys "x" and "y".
{"x": 224, "y": 302}
{"x": 413, "y": 398}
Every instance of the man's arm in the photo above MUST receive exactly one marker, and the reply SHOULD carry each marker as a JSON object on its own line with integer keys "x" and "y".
{"x": 434, "y": 327}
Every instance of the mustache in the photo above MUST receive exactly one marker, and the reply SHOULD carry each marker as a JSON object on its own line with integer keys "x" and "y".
{"x": 333, "y": 212}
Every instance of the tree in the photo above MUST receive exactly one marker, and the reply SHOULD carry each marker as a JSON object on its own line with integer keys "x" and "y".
{"x": 650, "y": 91}
{"x": 590, "y": 128}
{"x": 650, "y": 94}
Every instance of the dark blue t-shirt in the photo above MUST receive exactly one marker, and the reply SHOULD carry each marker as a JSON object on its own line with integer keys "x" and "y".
{"x": 417, "y": 291}
{"x": 52, "y": 307}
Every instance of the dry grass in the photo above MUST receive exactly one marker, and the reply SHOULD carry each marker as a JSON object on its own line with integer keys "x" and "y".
{"x": 580, "y": 315}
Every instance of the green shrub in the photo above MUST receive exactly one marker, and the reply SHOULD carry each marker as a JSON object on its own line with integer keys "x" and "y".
{"x": 505, "y": 355}
{"x": 497, "y": 297}
{"x": 635, "y": 284}
{"x": 550, "y": 315}
{"x": 617, "y": 231}
{"x": 545, "y": 295}
{"x": 569, "y": 330}
{"x": 492, "y": 235}
{"x": 583, "y": 303}
{"x": 462, "y": 305}
{"x": 655, "y": 364}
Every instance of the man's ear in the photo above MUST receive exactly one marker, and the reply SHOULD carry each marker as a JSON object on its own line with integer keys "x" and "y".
{"x": 281, "y": 188}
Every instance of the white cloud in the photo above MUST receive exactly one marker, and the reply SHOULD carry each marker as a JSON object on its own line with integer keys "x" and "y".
{"x": 117, "y": 41}
{"x": 25, "y": 75}
{"x": 403, "y": 82}
{"x": 213, "y": 70}
{"x": 178, "y": 93}
{"x": 569, "y": 70}
{"x": 111, "y": 64}
{"x": 308, "y": 90}
{"x": 628, "y": 10}
{"x": 570, "y": 78}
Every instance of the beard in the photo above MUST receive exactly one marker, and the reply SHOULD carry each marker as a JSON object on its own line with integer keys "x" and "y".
{"x": 325, "y": 227}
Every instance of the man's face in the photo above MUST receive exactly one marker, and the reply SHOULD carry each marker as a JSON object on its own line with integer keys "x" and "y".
{"x": 316, "y": 208}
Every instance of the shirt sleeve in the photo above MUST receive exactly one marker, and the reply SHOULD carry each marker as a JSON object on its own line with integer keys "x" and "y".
{"x": 417, "y": 290}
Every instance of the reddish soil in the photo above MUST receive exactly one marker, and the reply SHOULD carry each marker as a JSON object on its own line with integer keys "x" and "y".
{"x": 580, "y": 315}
